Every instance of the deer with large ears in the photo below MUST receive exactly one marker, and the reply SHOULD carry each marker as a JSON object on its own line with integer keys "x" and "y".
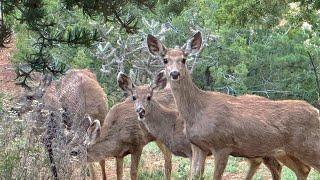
{"x": 164, "y": 122}
{"x": 115, "y": 134}
{"x": 229, "y": 125}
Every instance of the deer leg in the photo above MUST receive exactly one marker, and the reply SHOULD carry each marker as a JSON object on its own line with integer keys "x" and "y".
{"x": 119, "y": 165}
{"x": 254, "y": 165}
{"x": 193, "y": 160}
{"x": 299, "y": 168}
{"x": 202, "y": 161}
{"x": 103, "y": 169}
{"x": 135, "y": 158}
{"x": 191, "y": 165}
{"x": 197, "y": 162}
{"x": 167, "y": 159}
{"x": 274, "y": 166}
{"x": 93, "y": 175}
{"x": 220, "y": 161}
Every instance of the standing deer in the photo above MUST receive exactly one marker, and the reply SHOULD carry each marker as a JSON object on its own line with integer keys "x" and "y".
{"x": 228, "y": 125}
{"x": 162, "y": 120}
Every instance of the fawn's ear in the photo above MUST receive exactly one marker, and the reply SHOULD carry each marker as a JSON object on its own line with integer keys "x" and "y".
{"x": 160, "y": 80}
{"x": 85, "y": 123}
{"x": 93, "y": 132}
{"x": 125, "y": 82}
{"x": 155, "y": 46}
{"x": 193, "y": 45}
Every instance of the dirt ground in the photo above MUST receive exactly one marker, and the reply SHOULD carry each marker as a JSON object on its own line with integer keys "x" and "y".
{"x": 7, "y": 71}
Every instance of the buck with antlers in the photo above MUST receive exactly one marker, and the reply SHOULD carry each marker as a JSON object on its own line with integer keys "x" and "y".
{"x": 163, "y": 121}
{"x": 228, "y": 125}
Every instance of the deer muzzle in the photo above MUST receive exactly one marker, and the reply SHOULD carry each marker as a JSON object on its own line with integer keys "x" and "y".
{"x": 141, "y": 112}
{"x": 175, "y": 75}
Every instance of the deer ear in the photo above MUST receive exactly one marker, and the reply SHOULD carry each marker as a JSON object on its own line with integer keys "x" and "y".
{"x": 160, "y": 80}
{"x": 193, "y": 45}
{"x": 93, "y": 131}
{"x": 86, "y": 122}
{"x": 125, "y": 82}
{"x": 155, "y": 46}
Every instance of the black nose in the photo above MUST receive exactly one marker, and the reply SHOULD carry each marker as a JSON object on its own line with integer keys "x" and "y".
{"x": 74, "y": 153}
{"x": 175, "y": 74}
{"x": 141, "y": 112}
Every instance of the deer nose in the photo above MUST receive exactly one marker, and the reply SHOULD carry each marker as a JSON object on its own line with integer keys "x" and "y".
{"x": 175, "y": 75}
{"x": 141, "y": 112}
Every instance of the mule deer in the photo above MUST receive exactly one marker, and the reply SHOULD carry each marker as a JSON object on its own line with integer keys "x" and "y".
{"x": 80, "y": 96}
{"x": 229, "y": 125}
{"x": 163, "y": 121}
{"x": 120, "y": 135}
{"x": 75, "y": 88}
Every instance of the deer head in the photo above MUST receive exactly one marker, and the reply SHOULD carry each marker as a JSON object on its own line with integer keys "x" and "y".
{"x": 83, "y": 136}
{"x": 141, "y": 95}
{"x": 77, "y": 140}
{"x": 174, "y": 59}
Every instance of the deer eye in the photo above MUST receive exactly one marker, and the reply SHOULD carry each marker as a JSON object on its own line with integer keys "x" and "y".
{"x": 149, "y": 98}
{"x": 134, "y": 98}
{"x": 165, "y": 61}
{"x": 184, "y": 60}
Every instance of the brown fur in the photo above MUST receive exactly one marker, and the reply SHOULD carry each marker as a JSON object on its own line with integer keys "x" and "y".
{"x": 118, "y": 137}
{"x": 122, "y": 134}
{"x": 167, "y": 126}
{"x": 85, "y": 83}
{"x": 241, "y": 126}
{"x": 246, "y": 127}
{"x": 79, "y": 93}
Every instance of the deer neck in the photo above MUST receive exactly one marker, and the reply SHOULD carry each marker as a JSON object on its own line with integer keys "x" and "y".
{"x": 161, "y": 121}
{"x": 103, "y": 147}
{"x": 187, "y": 97}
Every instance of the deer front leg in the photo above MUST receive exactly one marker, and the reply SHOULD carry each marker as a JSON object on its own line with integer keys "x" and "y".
{"x": 135, "y": 158}
{"x": 93, "y": 175}
{"x": 254, "y": 165}
{"x": 167, "y": 159}
{"x": 119, "y": 165}
{"x": 103, "y": 169}
{"x": 197, "y": 162}
{"x": 220, "y": 161}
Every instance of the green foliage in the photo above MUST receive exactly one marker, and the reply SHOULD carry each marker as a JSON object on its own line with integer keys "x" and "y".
{"x": 251, "y": 53}
{"x": 246, "y": 13}
{"x": 232, "y": 166}
{"x": 146, "y": 175}
{"x": 287, "y": 174}
{"x": 81, "y": 60}
{"x": 314, "y": 175}
{"x": 7, "y": 164}
{"x": 183, "y": 169}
